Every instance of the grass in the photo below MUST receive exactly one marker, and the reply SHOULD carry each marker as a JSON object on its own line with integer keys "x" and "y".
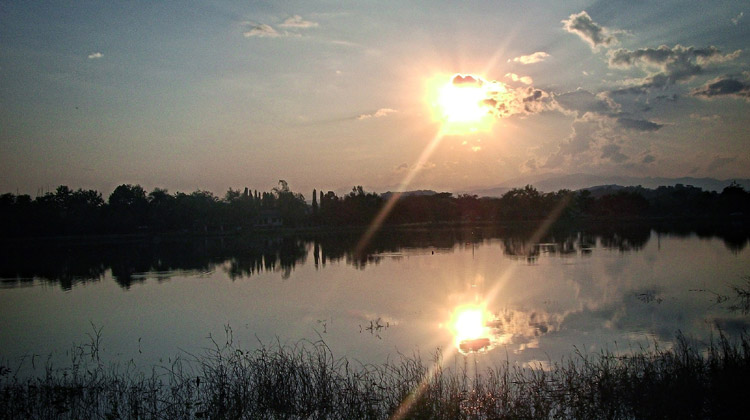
{"x": 306, "y": 381}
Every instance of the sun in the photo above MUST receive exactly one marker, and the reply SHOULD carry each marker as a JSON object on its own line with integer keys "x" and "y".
{"x": 462, "y": 103}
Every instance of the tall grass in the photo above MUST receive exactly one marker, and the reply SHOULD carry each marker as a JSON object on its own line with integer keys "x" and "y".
{"x": 306, "y": 381}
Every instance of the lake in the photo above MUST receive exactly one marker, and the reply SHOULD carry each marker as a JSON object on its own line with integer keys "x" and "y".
{"x": 541, "y": 296}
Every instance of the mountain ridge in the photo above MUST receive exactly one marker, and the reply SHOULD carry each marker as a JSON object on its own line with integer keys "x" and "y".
{"x": 584, "y": 181}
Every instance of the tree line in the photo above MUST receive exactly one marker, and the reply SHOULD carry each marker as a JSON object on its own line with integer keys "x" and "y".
{"x": 130, "y": 209}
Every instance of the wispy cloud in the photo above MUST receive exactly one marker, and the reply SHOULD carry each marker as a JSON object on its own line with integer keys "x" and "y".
{"x": 638, "y": 125}
{"x": 594, "y": 34}
{"x": 736, "y": 19}
{"x": 94, "y": 56}
{"x": 261, "y": 31}
{"x": 382, "y": 112}
{"x": 296, "y": 21}
{"x": 537, "y": 57}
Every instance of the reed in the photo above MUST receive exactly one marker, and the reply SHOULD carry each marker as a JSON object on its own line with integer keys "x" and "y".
{"x": 305, "y": 380}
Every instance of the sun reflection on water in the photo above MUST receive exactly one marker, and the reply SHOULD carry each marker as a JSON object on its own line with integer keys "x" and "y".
{"x": 470, "y": 329}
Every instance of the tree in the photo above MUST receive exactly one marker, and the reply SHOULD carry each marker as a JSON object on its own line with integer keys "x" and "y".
{"x": 128, "y": 208}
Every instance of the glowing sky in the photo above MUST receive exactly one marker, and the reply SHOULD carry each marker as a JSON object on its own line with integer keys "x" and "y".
{"x": 190, "y": 95}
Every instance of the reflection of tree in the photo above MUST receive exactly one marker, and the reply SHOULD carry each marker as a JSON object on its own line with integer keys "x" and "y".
{"x": 268, "y": 255}
{"x": 625, "y": 238}
{"x": 68, "y": 264}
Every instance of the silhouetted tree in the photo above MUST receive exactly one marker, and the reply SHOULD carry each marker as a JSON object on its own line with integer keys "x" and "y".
{"x": 314, "y": 203}
{"x": 127, "y": 208}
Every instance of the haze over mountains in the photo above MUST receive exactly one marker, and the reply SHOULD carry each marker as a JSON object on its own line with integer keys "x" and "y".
{"x": 549, "y": 183}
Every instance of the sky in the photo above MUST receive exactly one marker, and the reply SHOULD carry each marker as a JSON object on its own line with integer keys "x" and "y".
{"x": 212, "y": 95}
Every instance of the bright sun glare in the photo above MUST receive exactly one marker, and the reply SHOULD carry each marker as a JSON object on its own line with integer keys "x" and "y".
{"x": 461, "y": 104}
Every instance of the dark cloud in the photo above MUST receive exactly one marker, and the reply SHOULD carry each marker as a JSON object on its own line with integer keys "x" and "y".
{"x": 633, "y": 90}
{"x": 639, "y": 125}
{"x": 648, "y": 159}
{"x": 582, "y": 101}
{"x": 724, "y": 86}
{"x": 582, "y": 25}
{"x": 612, "y": 152}
{"x": 676, "y": 64}
{"x": 720, "y": 162}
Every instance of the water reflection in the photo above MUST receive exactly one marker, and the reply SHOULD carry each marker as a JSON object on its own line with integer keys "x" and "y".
{"x": 132, "y": 262}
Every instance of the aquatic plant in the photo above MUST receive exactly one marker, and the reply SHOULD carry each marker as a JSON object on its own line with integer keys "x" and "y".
{"x": 305, "y": 380}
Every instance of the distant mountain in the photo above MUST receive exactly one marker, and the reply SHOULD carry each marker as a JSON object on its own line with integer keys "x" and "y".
{"x": 550, "y": 183}
{"x": 387, "y": 195}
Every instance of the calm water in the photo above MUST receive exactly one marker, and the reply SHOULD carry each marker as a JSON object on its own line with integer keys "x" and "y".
{"x": 543, "y": 295}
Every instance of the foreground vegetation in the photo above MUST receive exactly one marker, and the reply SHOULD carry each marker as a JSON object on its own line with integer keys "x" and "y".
{"x": 307, "y": 381}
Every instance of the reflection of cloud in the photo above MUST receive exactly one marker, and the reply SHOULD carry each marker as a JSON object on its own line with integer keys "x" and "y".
{"x": 723, "y": 86}
{"x": 589, "y": 31}
{"x": 261, "y": 31}
{"x": 296, "y": 21}
{"x": 523, "y": 327}
{"x": 95, "y": 55}
{"x": 537, "y": 57}
{"x": 382, "y": 112}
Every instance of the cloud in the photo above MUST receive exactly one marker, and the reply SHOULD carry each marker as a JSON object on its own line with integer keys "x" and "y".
{"x": 537, "y": 57}
{"x": 404, "y": 167}
{"x": 723, "y": 86}
{"x": 460, "y": 80}
{"x": 612, "y": 152}
{"x": 736, "y": 19}
{"x": 676, "y": 64}
{"x": 586, "y": 131}
{"x": 594, "y": 34}
{"x": 705, "y": 118}
{"x": 261, "y": 31}
{"x": 503, "y": 100}
{"x": 582, "y": 101}
{"x": 638, "y": 125}
{"x": 529, "y": 166}
{"x": 648, "y": 159}
{"x": 296, "y": 21}
{"x": 720, "y": 162}
{"x": 523, "y": 79}
{"x": 382, "y": 112}
{"x": 94, "y": 56}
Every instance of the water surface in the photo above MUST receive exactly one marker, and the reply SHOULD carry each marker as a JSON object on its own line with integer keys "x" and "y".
{"x": 608, "y": 287}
